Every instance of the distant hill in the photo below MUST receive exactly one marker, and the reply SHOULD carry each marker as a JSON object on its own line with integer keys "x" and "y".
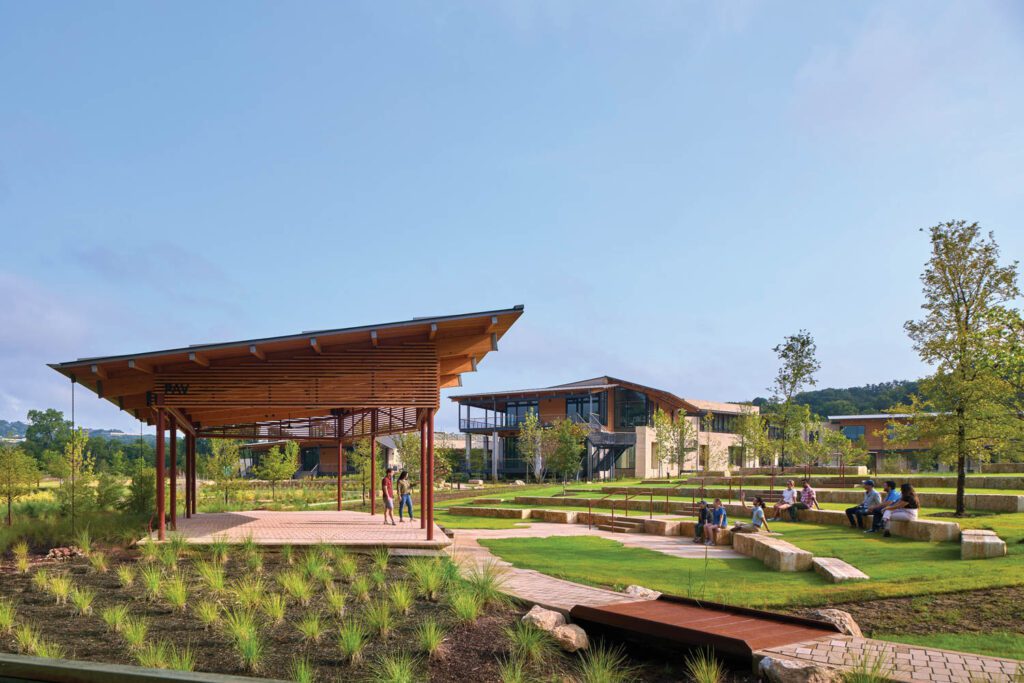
{"x": 12, "y": 428}
{"x": 871, "y": 398}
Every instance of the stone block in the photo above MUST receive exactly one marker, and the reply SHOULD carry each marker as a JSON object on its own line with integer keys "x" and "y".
{"x": 497, "y": 513}
{"x": 570, "y": 637}
{"x": 776, "y": 554}
{"x": 723, "y": 537}
{"x": 981, "y": 544}
{"x": 642, "y": 593}
{"x": 661, "y": 527}
{"x": 844, "y": 621}
{"x": 560, "y": 516}
{"x": 837, "y": 571}
{"x": 471, "y": 482}
{"x": 925, "y": 530}
{"x": 778, "y": 670}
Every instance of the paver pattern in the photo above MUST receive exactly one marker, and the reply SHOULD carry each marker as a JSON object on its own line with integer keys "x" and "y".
{"x": 900, "y": 662}
{"x": 306, "y": 527}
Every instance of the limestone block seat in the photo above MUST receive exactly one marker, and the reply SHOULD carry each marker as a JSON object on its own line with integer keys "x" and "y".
{"x": 774, "y": 552}
{"x": 925, "y": 530}
{"x": 837, "y": 571}
{"x": 497, "y": 513}
{"x": 980, "y": 544}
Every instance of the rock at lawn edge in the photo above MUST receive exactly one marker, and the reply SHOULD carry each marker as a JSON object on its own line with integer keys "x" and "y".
{"x": 519, "y": 482}
{"x": 544, "y": 619}
{"x": 571, "y": 637}
{"x": 642, "y": 593}
{"x": 790, "y": 671}
{"x": 844, "y": 621}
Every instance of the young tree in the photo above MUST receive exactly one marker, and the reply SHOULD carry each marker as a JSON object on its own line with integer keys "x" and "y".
{"x": 360, "y": 459}
{"x": 222, "y": 465}
{"x": 76, "y": 492}
{"x": 751, "y": 429}
{"x": 566, "y": 438}
{"x": 447, "y": 461}
{"x": 278, "y": 465}
{"x": 798, "y": 364}
{"x": 965, "y": 408}
{"x": 532, "y": 445}
{"x": 674, "y": 439}
{"x": 18, "y": 475}
{"x": 408, "y": 447}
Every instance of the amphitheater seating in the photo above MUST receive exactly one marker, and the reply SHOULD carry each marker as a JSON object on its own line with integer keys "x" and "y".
{"x": 774, "y": 552}
{"x": 926, "y": 530}
{"x": 980, "y": 544}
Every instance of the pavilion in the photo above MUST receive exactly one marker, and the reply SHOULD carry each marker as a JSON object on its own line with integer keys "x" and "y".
{"x": 332, "y": 386}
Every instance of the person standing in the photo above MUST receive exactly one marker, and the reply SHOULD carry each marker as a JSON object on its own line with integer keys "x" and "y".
{"x": 387, "y": 491}
{"x": 404, "y": 496}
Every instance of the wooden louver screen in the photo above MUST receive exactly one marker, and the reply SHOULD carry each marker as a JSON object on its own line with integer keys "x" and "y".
{"x": 354, "y": 378}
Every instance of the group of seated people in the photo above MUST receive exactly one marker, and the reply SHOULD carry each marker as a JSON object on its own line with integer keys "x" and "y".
{"x": 898, "y": 504}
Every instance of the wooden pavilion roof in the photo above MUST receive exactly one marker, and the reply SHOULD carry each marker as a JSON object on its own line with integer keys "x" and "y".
{"x": 323, "y": 384}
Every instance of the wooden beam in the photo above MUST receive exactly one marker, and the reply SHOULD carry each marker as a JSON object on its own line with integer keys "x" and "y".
{"x": 314, "y": 344}
{"x": 141, "y": 366}
{"x": 373, "y": 337}
{"x": 254, "y": 350}
{"x": 98, "y": 371}
{"x": 433, "y": 332}
{"x": 199, "y": 359}
{"x": 183, "y": 423}
{"x": 494, "y": 341}
{"x": 493, "y": 326}
{"x": 473, "y": 363}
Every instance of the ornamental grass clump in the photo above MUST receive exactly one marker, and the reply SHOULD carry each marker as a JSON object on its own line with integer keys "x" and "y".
{"x": 702, "y": 667}
{"x": 212, "y": 575}
{"x": 175, "y": 592}
{"x": 429, "y": 636}
{"x": 21, "y": 563}
{"x": 311, "y": 626}
{"x": 394, "y": 668}
{"x": 168, "y": 557}
{"x": 150, "y": 552}
{"x": 512, "y": 670}
{"x": 254, "y": 563}
{"x": 380, "y": 557}
{"x": 41, "y": 581}
{"x": 84, "y": 541}
{"x": 240, "y": 624}
{"x": 402, "y": 597}
{"x": 208, "y": 612}
{"x": 378, "y": 617}
{"x": 114, "y": 617}
{"x": 250, "y": 653}
{"x": 152, "y": 581}
{"x": 219, "y": 550}
{"x": 178, "y": 545}
{"x": 274, "y": 607}
{"x": 60, "y": 588}
{"x": 487, "y": 581}
{"x": 428, "y": 576}
{"x": 249, "y": 592}
{"x": 296, "y": 585}
{"x": 465, "y": 605}
{"x": 352, "y": 641}
{"x": 181, "y": 659}
{"x": 315, "y": 567}
{"x": 868, "y": 669}
{"x": 27, "y": 639}
{"x": 603, "y": 664}
{"x": 48, "y": 649}
{"x": 82, "y": 599}
{"x": 347, "y": 567}
{"x": 530, "y": 644}
{"x": 301, "y": 670}
{"x": 134, "y": 631}
{"x": 288, "y": 554}
{"x": 361, "y": 588}
{"x": 336, "y": 600}
{"x": 7, "y": 616}
{"x": 125, "y": 575}
{"x": 152, "y": 655}
{"x": 249, "y": 545}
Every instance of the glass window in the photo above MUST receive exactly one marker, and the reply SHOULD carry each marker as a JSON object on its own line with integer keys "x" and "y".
{"x": 516, "y": 411}
{"x": 737, "y": 455}
{"x": 513, "y": 458}
{"x": 853, "y": 432}
{"x": 627, "y": 459}
{"x": 580, "y": 407}
{"x": 632, "y": 409}
{"x": 723, "y": 424}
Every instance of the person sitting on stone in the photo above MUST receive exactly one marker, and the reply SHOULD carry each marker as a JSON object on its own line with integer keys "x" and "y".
{"x": 903, "y": 510}
{"x": 719, "y": 520}
{"x": 703, "y": 517}
{"x": 872, "y": 499}
{"x": 807, "y": 499}
{"x": 758, "y": 522}
{"x": 892, "y": 496}
{"x": 786, "y": 502}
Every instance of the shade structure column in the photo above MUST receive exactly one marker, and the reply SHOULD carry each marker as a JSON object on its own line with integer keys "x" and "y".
{"x": 423, "y": 473}
{"x": 341, "y": 468}
{"x": 373, "y": 463}
{"x": 173, "y": 430}
{"x": 430, "y": 477}
{"x": 188, "y": 475}
{"x": 160, "y": 529}
{"x": 195, "y": 488}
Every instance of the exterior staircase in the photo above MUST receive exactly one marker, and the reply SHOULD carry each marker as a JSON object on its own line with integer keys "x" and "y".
{"x": 623, "y": 525}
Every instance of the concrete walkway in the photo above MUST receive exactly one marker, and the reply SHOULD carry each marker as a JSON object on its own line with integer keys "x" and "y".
{"x": 901, "y": 662}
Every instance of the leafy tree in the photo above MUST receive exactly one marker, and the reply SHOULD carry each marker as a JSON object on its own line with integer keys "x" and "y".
{"x": 47, "y": 431}
{"x": 109, "y": 491}
{"x": 142, "y": 490}
{"x": 360, "y": 459}
{"x": 673, "y": 439}
{"x": 76, "y": 493}
{"x": 566, "y": 439}
{"x": 531, "y": 444}
{"x": 277, "y": 465}
{"x": 797, "y": 365}
{"x": 751, "y": 429}
{"x": 447, "y": 461}
{"x": 965, "y": 409}
{"x": 408, "y": 447}
{"x": 18, "y": 475}
{"x": 221, "y": 465}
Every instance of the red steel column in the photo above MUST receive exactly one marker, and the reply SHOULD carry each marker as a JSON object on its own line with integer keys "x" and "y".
{"x": 340, "y": 466}
{"x": 430, "y": 478}
{"x": 192, "y": 481}
{"x": 188, "y": 480}
{"x": 423, "y": 473}
{"x": 373, "y": 462}
{"x": 161, "y": 532}
{"x": 174, "y": 472}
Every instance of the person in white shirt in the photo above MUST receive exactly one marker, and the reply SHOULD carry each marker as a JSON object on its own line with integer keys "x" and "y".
{"x": 787, "y": 501}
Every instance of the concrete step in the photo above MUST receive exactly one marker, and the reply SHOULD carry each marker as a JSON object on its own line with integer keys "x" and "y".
{"x": 621, "y": 528}
{"x": 837, "y": 571}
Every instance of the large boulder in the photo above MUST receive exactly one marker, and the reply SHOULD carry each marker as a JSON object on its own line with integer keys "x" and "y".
{"x": 641, "y": 593}
{"x": 778, "y": 670}
{"x": 544, "y": 619}
{"x": 570, "y": 637}
{"x": 519, "y": 482}
{"x": 844, "y": 621}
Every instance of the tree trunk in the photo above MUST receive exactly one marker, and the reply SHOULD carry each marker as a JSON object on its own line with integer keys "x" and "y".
{"x": 961, "y": 461}
{"x": 9, "y": 510}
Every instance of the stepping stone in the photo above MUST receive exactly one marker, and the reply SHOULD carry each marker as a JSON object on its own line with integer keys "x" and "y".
{"x": 837, "y": 571}
{"x": 980, "y": 544}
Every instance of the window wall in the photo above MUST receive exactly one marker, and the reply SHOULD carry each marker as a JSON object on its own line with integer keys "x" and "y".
{"x": 582, "y": 406}
{"x": 853, "y": 432}
{"x": 632, "y": 409}
{"x": 516, "y": 411}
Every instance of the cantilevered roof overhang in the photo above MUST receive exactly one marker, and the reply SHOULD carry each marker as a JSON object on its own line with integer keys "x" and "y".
{"x": 316, "y": 384}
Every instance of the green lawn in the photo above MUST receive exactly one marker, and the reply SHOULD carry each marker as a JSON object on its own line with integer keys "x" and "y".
{"x": 897, "y": 566}
{"x": 995, "y": 644}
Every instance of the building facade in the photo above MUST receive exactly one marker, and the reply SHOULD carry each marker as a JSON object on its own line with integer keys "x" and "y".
{"x": 315, "y": 459}
{"x": 875, "y": 433}
{"x": 621, "y": 440}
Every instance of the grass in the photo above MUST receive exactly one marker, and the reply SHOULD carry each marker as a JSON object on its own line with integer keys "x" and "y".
{"x": 7, "y": 616}
{"x": 82, "y": 599}
{"x": 992, "y": 643}
{"x": 402, "y": 597}
{"x": 20, "y": 551}
{"x": 240, "y": 624}
{"x": 487, "y": 582}
{"x": 361, "y": 588}
{"x": 134, "y": 632}
{"x": 301, "y": 670}
{"x": 378, "y": 617}
{"x": 529, "y": 643}
{"x": 465, "y": 605}
{"x": 336, "y": 601}
{"x": 702, "y": 667}
{"x": 296, "y": 585}
{"x": 311, "y": 626}
{"x": 429, "y": 637}
{"x": 394, "y": 668}
{"x": 352, "y": 641}
{"x": 27, "y": 638}
{"x": 176, "y": 592}
{"x": 512, "y": 671}
{"x": 250, "y": 652}
{"x": 209, "y": 613}
{"x": 126, "y": 575}
{"x": 604, "y": 664}
{"x": 428, "y": 576}
{"x": 211, "y": 573}
{"x": 114, "y": 617}
{"x": 152, "y": 581}
{"x": 274, "y": 607}
{"x": 249, "y": 592}
{"x": 60, "y": 587}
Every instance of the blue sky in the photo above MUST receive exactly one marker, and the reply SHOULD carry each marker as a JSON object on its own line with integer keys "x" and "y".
{"x": 668, "y": 187}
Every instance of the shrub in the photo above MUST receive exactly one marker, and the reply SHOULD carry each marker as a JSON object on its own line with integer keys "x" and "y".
{"x": 603, "y": 664}
{"x": 7, "y": 615}
{"x": 297, "y": 586}
{"x": 336, "y": 601}
{"x": 529, "y": 643}
{"x": 134, "y": 631}
{"x": 396, "y": 668}
{"x": 378, "y": 617}
{"x": 208, "y": 613}
{"x": 27, "y": 639}
{"x": 302, "y": 670}
{"x": 702, "y": 667}
{"x": 142, "y": 491}
{"x": 487, "y": 581}
{"x": 380, "y": 557}
{"x": 212, "y": 575}
{"x": 402, "y": 597}
{"x": 176, "y": 592}
{"x": 125, "y": 575}
{"x": 429, "y": 636}
{"x": 352, "y": 641}
{"x": 311, "y": 627}
{"x": 82, "y": 599}
{"x": 274, "y": 607}
{"x": 152, "y": 655}
{"x": 60, "y": 587}
{"x": 361, "y": 588}
{"x": 152, "y": 580}
{"x": 465, "y": 605}
{"x": 114, "y": 617}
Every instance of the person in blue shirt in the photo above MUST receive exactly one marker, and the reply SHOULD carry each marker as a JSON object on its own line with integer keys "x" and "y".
{"x": 872, "y": 499}
{"x": 719, "y": 520}
{"x": 891, "y": 495}
{"x": 757, "y": 521}
{"x": 703, "y": 518}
